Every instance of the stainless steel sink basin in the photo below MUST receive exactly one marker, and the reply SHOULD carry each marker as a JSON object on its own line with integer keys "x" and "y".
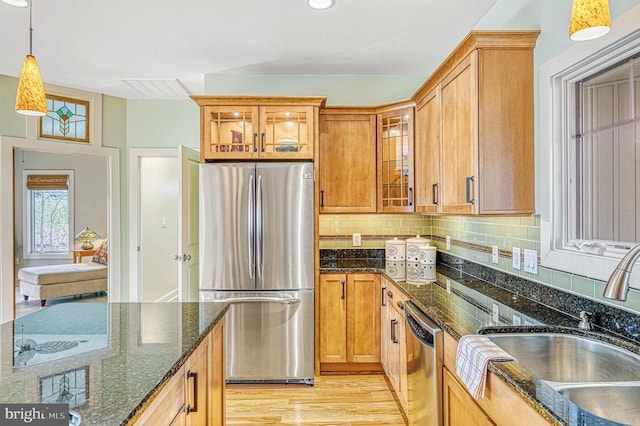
{"x": 570, "y": 358}
{"x": 617, "y": 402}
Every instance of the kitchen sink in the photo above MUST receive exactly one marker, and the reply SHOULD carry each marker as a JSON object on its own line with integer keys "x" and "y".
{"x": 617, "y": 402}
{"x": 558, "y": 357}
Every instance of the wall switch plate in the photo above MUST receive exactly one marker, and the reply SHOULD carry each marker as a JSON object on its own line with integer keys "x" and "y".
{"x": 356, "y": 240}
{"x": 448, "y": 242}
{"x": 496, "y": 313}
{"x": 495, "y": 254}
{"x": 531, "y": 261}
{"x": 517, "y": 320}
{"x": 448, "y": 286}
{"x": 516, "y": 258}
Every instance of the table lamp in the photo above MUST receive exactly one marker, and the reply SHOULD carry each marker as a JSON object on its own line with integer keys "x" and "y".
{"x": 87, "y": 235}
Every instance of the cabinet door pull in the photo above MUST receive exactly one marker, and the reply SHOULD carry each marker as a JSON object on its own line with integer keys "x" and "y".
{"x": 342, "y": 282}
{"x": 383, "y": 302}
{"x": 410, "y": 196}
{"x": 469, "y": 182}
{"x": 322, "y": 198}
{"x": 434, "y": 191}
{"x": 194, "y": 408}
{"x": 389, "y": 294}
{"x": 262, "y": 142}
{"x": 255, "y": 144}
{"x": 394, "y": 331}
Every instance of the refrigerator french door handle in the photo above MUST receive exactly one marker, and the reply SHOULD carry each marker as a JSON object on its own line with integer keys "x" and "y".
{"x": 259, "y": 228}
{"x": 252, "y": 227}
{"x": 257, "y": 299}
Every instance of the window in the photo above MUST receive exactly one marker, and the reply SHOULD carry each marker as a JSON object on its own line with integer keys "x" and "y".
{"x": 606, "y": 182}
{"x": 49, "y": 207}
{"x": 66, "y": 119}
{"x": 589, "y": 156}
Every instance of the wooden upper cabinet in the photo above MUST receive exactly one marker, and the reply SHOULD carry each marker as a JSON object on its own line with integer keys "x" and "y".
{"x": 485, "y": 128}
{"x": 459, "y": 139}
{"x": 427, "y": 153}
{"x": 347, "y": 162}
{"x": 250, "y": 128}
{"x": 395, "y": 160}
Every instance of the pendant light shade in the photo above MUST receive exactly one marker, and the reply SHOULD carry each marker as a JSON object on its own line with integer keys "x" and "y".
{"x": 589, "y": 19}
{"x": 30, "y": 99}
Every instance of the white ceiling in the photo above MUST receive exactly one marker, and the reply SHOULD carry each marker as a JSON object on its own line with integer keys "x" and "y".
{"x": 94, "y": 45}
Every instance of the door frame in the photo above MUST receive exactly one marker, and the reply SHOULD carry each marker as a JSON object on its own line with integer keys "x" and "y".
{"x": 7, "y": 220}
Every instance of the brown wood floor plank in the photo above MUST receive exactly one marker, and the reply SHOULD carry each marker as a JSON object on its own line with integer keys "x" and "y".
{"x": 333, "y": 400}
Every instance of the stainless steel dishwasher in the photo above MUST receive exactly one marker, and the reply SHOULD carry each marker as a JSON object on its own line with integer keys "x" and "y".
{"x": 424, "y": 368}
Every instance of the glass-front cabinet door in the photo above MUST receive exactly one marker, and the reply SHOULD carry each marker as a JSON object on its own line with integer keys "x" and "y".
{"x": 286, "y": 132}
{"x": 258, "y": 127}
{"x": 232, "y": 132}
{"x": 395, "y": 161}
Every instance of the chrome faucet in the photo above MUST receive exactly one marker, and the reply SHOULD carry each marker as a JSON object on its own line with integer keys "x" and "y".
{"x": 618, "y": 284}
{"x": 585, "y": 321}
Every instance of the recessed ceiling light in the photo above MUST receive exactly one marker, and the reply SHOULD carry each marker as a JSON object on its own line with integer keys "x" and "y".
{"x": 317, "y": 4}
{"x": 19, "y": 3}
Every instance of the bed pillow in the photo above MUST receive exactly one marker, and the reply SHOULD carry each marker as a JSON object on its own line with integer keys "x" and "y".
{"x": 102, "y": 253}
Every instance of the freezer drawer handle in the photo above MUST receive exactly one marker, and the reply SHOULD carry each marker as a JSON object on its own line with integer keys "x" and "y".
{"x": 258, "y": 299}
{"x": 194, "y": 408}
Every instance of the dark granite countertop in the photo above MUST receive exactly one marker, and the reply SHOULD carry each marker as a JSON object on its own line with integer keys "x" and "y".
{"x": 462, "y": 304}
{"x": 106, "y": 358}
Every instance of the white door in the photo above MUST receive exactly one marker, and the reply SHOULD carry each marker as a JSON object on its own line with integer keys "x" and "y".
{"x": 189, "y": 160}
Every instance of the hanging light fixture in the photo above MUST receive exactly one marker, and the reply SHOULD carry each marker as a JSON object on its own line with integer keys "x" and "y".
{"x": 589, "y": 19}
{"x": 30, "y": 99}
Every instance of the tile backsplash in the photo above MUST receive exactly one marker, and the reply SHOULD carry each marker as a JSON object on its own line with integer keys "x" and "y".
{"x": 472, "y": 238}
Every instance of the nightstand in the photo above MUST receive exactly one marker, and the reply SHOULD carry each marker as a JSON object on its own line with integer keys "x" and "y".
{"x": 79, "y": 254}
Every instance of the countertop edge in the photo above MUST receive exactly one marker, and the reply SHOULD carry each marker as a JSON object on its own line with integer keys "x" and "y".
{"x": 135, "y": 414}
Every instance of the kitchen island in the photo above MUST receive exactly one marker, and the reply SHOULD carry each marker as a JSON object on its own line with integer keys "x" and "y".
{"x": 106, "y": 360}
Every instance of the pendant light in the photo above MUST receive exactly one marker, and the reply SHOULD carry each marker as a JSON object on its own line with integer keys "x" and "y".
{"x": 30, "y": 98}
{"x": 589, "y": 19}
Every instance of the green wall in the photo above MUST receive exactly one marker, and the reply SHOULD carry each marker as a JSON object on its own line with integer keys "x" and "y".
{"x": 11, "y": 123}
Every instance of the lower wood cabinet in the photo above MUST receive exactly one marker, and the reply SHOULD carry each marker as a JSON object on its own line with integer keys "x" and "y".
{"x": 459, "y": 406}
{"x": 195, "y": 394}
{"x": 349, "y": 321}
{"x": 501, "y": 404}
{"x": 393, "y": 344}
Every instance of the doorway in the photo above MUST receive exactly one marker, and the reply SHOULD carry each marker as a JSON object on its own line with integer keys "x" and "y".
{"x": 8, "y": 148}
{"x": 163, "y": 218}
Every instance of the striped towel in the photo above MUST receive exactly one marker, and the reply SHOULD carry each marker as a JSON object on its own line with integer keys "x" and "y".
{"x": 472, "y": 358}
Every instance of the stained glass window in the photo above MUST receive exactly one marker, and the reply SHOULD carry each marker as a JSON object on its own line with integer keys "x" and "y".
{"x": 66, "y": 119}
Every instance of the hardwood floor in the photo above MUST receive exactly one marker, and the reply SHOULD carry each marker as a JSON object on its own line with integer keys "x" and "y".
{"x": 333, "y": 400}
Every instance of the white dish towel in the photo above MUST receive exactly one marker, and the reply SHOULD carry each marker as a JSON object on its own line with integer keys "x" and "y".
{"x": 472, "y": 358}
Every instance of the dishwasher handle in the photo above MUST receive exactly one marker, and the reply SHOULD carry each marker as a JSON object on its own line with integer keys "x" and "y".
{"x": 420, "y": 325}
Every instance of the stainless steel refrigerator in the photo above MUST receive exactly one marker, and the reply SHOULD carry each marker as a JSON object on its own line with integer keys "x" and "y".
{"x": 257, "y": 252}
